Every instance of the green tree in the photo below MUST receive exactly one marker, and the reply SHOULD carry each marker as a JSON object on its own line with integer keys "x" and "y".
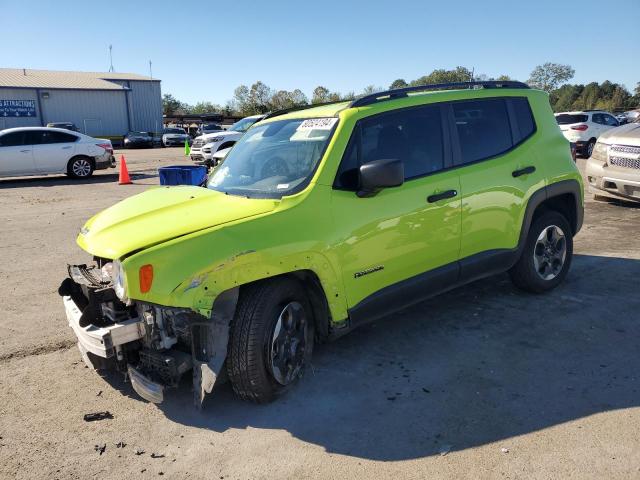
{"x": 399, "y": 83}
{"x": 320, "y": 95}
{"x": 283, "y": 99}
{"x": 259, "y": 97}
{"x": 240, "y": 102}
{"x": 458, "y": 74}
{"x": 171, "y": 105}
{"x": 550, "y": 76}
{"x": 205, "y": 107}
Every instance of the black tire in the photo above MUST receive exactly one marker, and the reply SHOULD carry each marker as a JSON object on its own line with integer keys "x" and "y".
{"x": 249, "y": 363}
{"x": 588, "y": 149}
{"x": 524, "y": 273}
{"x": 80, "y": 167}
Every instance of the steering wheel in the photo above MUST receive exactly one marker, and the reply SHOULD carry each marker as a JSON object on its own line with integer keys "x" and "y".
{"x": 274, "y": 167}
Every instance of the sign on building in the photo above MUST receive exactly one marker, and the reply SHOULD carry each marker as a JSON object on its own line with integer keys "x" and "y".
{"x": 17, "y": 108}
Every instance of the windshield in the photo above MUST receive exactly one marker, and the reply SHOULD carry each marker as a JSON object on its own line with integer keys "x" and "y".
{"x": 173, "y": 130}
{"x": 211, "y": 127}
{"x": 243, "y": 125}
{"x": 274, "y": 159}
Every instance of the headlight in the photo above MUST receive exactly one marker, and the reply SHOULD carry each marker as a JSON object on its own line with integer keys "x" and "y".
{"x": 215, "y": 140}
{"x": 119, "y": 283}
{"x": 600, "y": 151}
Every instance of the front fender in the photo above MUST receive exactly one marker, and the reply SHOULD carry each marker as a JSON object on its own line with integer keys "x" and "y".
{"x": 192, "y": 270}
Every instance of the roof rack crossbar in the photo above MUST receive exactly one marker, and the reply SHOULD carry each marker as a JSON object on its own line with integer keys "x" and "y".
{"x": 403, "y": 92}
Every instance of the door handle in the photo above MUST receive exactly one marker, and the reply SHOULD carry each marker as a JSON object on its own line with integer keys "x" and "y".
{"x": 25, "y": 151}
{"x": 66, "y": 148}
{"x": 523, "y": 171}
{"x": 441, "y": 196}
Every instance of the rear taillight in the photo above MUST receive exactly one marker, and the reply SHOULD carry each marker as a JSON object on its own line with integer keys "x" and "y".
{"x": 106, "y": 146}
{"x": 582, "y": 127}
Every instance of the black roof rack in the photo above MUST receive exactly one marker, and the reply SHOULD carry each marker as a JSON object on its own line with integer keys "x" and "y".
{"x": 277, "y": 113}
{"x": 403, "y": 92}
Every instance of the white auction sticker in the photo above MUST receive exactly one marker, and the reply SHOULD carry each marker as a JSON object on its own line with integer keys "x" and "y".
{"x": 318, "y": 124}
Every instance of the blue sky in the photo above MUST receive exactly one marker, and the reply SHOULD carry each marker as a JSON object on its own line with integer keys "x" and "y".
{"x": 203, "y": 50}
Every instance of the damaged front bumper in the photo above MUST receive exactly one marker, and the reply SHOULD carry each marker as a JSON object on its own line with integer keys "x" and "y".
{"x": 152, "y": 344}
{"x": 103, "y": 342}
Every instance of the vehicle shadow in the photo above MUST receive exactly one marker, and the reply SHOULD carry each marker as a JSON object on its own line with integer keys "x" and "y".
{"x": 480, "y": 364}
{"x": 58, "y": 180}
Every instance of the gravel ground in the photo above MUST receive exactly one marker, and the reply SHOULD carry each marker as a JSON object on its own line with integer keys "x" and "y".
{"x": 482, "y": 382}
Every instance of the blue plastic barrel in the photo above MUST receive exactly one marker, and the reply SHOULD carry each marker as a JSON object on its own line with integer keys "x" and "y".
{"x": 182, "y": 175}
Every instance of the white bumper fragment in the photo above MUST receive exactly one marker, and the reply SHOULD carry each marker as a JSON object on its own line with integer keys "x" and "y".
{"x": 101, "y": 341}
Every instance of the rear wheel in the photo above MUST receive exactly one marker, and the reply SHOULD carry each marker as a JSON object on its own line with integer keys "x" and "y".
{"x": 546, "y": 256}
{"x": 80, "y": 167}
{"x": 271, "y": 339}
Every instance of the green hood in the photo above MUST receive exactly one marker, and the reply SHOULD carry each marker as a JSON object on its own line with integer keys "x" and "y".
{"x": 160, "y": 214}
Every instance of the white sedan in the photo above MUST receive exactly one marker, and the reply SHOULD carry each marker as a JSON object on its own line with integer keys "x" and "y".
{"x": 44, "y": 151}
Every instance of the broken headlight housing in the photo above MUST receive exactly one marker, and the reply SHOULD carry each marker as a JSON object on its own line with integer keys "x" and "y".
{"x": 119, "y": 281}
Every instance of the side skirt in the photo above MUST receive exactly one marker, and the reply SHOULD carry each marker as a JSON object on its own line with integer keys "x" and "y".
{"x": 425, "y": 285}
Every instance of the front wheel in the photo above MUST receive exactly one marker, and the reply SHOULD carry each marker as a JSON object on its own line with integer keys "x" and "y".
{"x": 271, "y": 339}
{"x": 546, "y": 256}
{"x": 80, "y": 167}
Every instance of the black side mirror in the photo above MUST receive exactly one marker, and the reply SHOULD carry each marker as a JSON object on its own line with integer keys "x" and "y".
{"x": 379, "y": 174}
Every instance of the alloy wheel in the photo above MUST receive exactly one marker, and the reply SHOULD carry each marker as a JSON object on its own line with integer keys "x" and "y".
{"x": 550, "y": 252}
{"x": 288, "y": 344}
{"x": 81, "y": 167}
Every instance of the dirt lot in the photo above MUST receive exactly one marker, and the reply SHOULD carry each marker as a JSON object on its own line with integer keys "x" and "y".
{"x": 508, "y": 385}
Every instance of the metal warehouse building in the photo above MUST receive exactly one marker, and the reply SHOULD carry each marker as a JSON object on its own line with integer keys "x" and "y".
{"x": 99, "y": 104}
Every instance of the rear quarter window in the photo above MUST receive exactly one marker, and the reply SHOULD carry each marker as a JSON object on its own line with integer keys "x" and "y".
{"x": 525, "y": 124}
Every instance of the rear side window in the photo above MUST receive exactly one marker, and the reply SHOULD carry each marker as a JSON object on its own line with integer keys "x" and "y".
{"x": 483, "y": 128}
{"x": 14, "y": 139}
{"x": 568, "y": 118}
{"x": 525, "y": 125}
{"x": 413, "y": 136}
{"x": 57, "y": 137}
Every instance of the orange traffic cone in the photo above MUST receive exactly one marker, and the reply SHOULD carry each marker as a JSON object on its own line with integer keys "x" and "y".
{"x": 123, "y": 178}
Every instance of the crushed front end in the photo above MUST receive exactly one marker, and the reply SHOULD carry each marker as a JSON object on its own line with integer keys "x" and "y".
{"x": 153, "y": 345}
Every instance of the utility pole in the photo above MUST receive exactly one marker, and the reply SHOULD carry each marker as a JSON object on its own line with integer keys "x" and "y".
{"x": 111, "y": 59}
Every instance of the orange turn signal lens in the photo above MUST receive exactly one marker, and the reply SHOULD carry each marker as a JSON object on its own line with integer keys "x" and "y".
{"x": 146, "y": 278}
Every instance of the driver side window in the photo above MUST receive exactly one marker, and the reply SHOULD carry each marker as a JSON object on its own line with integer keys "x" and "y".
{"x": 413, "y": 135}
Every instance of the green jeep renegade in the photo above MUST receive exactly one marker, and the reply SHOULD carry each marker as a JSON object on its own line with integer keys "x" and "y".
{"x": 318, "y": 220}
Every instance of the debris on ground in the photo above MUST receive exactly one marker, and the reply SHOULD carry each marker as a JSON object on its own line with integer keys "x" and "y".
{"x": 157, "y": 455}
{"x": 99, "y": 393}
{"x": 504, "y": 450}
{"x": 121, "y": 444}
{"x": 445, "y": 449}
{"x": 139, "y": 451}
{"x": 100, "y": 448}
{"x": 92, "y": 417}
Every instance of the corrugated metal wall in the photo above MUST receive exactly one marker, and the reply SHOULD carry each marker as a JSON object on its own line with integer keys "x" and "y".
{"x": 145, "y": 104}
{"x": 19, "y": 94}
{"x": 95, "y": 112}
